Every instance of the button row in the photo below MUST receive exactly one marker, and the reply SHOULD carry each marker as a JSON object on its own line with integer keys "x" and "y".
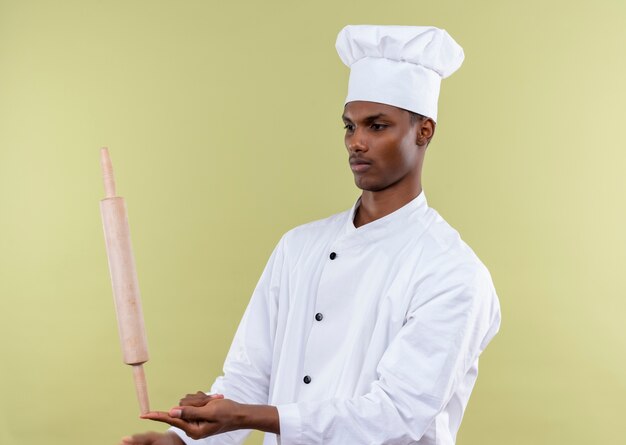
{"x": 319, "y": 317}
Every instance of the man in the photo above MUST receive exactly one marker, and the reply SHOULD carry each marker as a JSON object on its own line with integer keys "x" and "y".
{"x": 365, "y": 327}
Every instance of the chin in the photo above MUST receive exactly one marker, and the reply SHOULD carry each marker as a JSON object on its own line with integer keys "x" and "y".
{"x": 368, "y": 186}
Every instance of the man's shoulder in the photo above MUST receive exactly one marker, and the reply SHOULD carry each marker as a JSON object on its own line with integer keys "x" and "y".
{"x": 317, "y": 229}
{"x": 447, "y": 249}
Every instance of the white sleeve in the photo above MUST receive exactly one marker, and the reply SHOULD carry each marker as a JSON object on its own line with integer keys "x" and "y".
{"x": 248, "y": 364}
{"x": 445, "y": 332}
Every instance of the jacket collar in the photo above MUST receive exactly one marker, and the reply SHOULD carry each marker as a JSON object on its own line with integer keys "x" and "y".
{"x": 399, "y": 221}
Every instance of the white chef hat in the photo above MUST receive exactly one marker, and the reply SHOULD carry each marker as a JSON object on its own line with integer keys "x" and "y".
{"x": 398, "y": 65}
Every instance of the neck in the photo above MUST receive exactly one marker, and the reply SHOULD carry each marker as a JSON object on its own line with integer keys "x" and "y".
{"x": 375, "y": 205}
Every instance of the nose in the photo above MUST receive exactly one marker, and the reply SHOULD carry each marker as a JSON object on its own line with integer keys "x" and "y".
{"x": 356, "y": 142}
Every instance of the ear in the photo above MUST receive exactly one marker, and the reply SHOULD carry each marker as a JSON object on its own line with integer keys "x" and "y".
{"x": 425, "y": 132}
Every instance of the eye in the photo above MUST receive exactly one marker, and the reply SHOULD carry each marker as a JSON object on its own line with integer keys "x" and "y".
{"x": 349, "y": 127}
{"x": 378, "y": 127}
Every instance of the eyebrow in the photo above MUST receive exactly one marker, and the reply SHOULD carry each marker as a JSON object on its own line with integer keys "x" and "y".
{"x": 366, "y": 119}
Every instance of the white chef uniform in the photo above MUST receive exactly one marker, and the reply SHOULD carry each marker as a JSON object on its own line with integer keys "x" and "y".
{"x": 366, "y": 335}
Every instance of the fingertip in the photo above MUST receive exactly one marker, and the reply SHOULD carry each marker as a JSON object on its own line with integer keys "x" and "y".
{"x": 176, "y": 413}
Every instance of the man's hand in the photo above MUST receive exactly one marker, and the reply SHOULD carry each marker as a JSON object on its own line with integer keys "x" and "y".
{"x": 198, "y": 421}
{"x": 200, "y": 416}
{"x": 153, "y": 439}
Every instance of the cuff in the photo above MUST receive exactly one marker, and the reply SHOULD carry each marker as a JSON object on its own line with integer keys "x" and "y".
{"x": 290, "y": 422}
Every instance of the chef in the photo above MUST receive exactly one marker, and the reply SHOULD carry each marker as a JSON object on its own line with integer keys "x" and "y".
{"x": 365, "y": 327}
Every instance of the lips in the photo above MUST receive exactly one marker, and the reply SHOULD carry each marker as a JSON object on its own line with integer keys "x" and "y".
{"x": 359, "y": 165}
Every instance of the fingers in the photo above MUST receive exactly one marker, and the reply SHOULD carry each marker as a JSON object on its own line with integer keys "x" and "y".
{"x": 198, "y": 394}
{"x": 177, "y": 415}
{"x": 196, "y": 401}
{"x": 189, "y": 414}
{"x": 194, "y": 429}
{"x": 199, "y": 399}
{"x": 192, "y": 420}
{"x": 160, "y": 416}
{"x": 193, "y": 416}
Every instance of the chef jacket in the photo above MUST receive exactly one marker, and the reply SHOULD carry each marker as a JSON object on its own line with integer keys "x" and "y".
{"x": 367, "y": 335}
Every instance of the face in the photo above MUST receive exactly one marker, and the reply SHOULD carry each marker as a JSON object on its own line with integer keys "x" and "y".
{"x": 382, "y": 144}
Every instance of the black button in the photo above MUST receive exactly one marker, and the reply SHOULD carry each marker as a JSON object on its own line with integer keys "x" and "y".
{"x": 333, "y": 255}
{"x": 307, "y": 379}
{"x": 319, "y": 316}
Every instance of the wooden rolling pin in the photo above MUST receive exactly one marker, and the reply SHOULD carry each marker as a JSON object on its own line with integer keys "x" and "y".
{"x": 124, "y": 281}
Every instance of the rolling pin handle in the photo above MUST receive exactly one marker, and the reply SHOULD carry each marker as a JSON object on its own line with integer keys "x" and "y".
{"x": 141, "y": 387}
{"x": 107, "y": 173}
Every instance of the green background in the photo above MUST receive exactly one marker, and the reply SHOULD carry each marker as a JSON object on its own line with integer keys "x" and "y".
{"x": 223, "y": 122}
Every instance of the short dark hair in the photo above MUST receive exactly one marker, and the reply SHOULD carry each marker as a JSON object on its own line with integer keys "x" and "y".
{"x": 416, "y": 117}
